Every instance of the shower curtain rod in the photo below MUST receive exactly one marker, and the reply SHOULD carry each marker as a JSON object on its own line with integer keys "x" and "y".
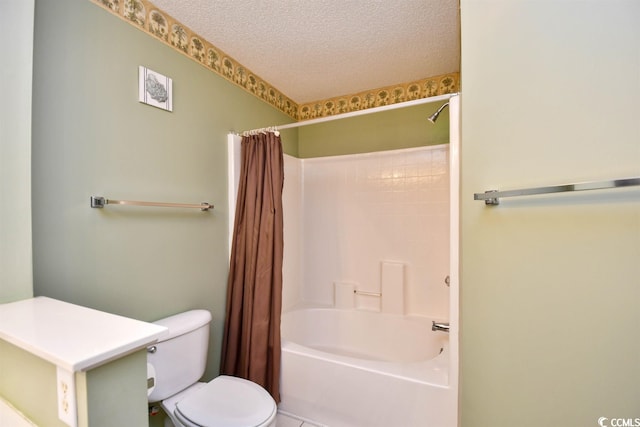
{"x": 405, "y": 104}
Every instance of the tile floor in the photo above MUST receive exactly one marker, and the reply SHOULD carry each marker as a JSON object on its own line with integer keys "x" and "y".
{"x": 283, "y": 420}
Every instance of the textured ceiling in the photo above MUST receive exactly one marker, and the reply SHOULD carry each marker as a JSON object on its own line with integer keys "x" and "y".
{"x": 318, "y": 49}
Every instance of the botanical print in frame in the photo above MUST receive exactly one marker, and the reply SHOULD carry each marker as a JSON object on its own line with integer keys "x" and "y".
{"x": 155, "y": 89}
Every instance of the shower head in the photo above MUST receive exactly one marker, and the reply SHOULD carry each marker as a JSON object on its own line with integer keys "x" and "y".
{"x": 432, "y": 118}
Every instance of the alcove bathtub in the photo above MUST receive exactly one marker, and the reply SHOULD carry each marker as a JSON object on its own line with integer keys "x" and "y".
{"x": 348, "y": 368}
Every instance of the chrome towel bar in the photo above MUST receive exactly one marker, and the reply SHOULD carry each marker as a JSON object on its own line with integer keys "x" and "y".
{"x": 100, "y": 202}
{"x": 492, "y": 197}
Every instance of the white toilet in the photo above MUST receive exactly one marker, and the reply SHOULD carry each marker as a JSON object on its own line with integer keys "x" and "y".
{"x": 176, "y": 363}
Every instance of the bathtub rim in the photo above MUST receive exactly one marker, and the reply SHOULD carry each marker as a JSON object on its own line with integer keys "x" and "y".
{"x": 433, "y": 372}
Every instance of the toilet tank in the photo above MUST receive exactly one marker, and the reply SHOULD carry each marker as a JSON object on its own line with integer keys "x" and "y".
{"x": 179, "y": 358}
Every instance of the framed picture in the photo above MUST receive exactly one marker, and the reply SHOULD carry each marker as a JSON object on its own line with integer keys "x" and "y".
{"x": 155, "y": 89}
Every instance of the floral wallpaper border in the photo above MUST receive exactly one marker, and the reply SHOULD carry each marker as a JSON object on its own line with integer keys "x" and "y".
{"x": 432, "y": 86}
{"x": 147, "y": 17}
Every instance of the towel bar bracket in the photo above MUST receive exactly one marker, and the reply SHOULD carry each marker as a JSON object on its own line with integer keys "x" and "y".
{"x": 97, "y": 202}
{"x": 491, "y": 200}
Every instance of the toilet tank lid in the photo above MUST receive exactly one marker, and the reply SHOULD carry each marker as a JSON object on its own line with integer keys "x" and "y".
{"x": 181, "y": 323}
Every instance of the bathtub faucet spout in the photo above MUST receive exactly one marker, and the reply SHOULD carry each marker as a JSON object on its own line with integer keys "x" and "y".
{"x": 443, "y": 327}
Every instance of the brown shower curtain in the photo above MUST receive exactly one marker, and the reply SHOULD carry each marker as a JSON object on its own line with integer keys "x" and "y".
{"x": 251, "y": 340}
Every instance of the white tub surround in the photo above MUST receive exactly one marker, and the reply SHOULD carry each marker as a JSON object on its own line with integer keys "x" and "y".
{"x": 380, "y": 220}
{"x": 344, "y": 295}
{"x": 392, "y": 285}
{"x": 74, "y": 339}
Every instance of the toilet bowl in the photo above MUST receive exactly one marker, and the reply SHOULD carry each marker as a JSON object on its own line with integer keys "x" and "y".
{"x": 223, "y": 402}
{"x": 177, "y": 362}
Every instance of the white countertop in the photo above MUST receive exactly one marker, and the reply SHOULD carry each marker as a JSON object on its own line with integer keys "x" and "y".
{"x": 70, "y": 336}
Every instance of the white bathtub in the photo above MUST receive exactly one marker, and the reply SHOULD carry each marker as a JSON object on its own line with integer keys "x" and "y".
{"x": 350, "y": 368}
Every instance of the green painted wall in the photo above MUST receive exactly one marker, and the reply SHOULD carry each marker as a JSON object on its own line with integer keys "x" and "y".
{"x": 92, "y": 137}
{"x": 29, "y": 383}
{"x": 16, "y": 20}
{"x": 111, "y": 394}
{"x": 402, "y": 128}
{"x": 550, "y": 285}
{"x": 107, "y": 388}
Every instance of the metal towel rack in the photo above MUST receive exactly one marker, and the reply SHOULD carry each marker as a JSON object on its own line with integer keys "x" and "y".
{"x": 100, "y": 202}
{"x": 492, "y": 197}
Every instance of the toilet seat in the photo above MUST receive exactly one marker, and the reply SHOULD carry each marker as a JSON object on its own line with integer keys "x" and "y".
{"x": 227, "y": 402}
